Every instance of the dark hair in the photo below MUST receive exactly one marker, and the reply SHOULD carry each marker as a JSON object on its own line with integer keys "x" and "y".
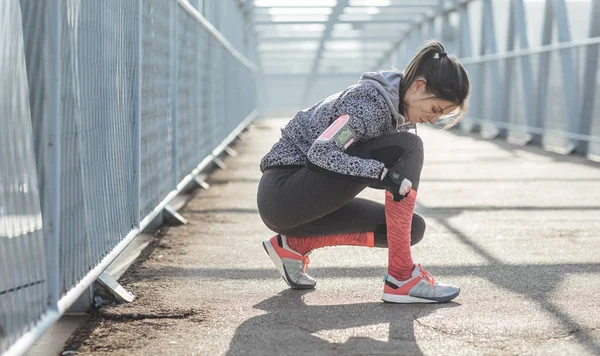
{"x": 445, "y": 77}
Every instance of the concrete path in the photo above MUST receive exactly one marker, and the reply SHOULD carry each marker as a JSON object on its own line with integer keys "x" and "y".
{"x": 516, "y": 228}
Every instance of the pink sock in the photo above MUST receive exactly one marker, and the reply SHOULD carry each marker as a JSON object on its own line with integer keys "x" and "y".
{"x": 304, "y": 244}
{"x": 398, "y": 217}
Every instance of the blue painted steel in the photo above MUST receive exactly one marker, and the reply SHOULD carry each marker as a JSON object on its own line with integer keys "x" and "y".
{"x": 569, "y": 76}
{"x": 535, "y": 99}
{"x": 589, "y": 86}
{"x": 129, "y": 99}
{"x": 52, "y": 152}
{"x": 23, "y": 275}
{"x": 137, "y": 117}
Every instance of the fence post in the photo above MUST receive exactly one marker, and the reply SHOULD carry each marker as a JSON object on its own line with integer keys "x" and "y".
{"x": 173, "y": 92}
{"x": 52, "y": 156}
{"x": 589, "y": 85}
{"x": 543, "y": 75}
{"x": 569, "y": 75}
{"x": 137, "y": 117}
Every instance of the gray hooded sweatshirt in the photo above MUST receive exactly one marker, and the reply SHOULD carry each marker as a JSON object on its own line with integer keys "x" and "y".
{"x": 373, "y": 109}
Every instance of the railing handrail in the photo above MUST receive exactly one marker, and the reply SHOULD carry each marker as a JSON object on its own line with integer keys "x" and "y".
{"x": 530, "y": 51}
{"x": 185, "y": 4}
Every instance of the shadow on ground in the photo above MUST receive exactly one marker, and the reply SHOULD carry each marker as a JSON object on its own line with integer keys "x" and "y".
{"x": 290, "y": 324}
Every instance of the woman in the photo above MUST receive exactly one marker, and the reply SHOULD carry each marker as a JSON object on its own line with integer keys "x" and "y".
{"x": 352, "y": 140}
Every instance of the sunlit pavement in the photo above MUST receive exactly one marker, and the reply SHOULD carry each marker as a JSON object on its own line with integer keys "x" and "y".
{"x": 516, "y": 228}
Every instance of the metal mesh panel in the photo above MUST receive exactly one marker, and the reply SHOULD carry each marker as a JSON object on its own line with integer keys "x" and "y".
{"x": 516, "y": 113}
{"x": 206, "y": 90}
{"x": 120, "y": 93}
{"x": 556, "y": 114}
{"x": 219, "y": 83}
{"x": 73, "y": 233}
{"x": 203, "y": 95}
{"x": 486, "y": 100}
{"x": 156, "y": 182}
{"x": 96, "y": 137}
{"x": 213, "y": 92}
{"x": 107, "y": 37}
{"x": 33, "y": 22}
{"x": 189, "y": 125}
{"x": 473, "y": 71}
{"x": 22, "y": 261}
{"x": 594, "y": 147}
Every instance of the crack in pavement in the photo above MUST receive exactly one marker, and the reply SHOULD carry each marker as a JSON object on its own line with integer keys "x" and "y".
{"x": 294, "y": 325}
{"x": 141, "y": 316}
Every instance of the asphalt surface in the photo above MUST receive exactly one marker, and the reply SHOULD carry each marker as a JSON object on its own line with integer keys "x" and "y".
{"x": 517, "y": 228}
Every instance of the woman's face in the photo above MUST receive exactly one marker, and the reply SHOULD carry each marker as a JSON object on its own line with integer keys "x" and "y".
{"x": 421, "y": 106}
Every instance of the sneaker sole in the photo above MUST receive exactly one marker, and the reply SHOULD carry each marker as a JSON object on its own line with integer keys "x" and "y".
{"x": 279, "y": 264}
{"x": 407, "y": 299}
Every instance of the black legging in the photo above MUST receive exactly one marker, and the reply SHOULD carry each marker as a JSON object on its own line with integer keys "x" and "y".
{"x": 299, "y": 202}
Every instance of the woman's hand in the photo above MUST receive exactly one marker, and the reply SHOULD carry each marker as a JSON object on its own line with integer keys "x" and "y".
{"x": 397, "y": 185}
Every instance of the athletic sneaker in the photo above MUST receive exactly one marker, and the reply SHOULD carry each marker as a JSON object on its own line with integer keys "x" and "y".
{"x": 421, "y": 288}
{"x": 290, "y": 263}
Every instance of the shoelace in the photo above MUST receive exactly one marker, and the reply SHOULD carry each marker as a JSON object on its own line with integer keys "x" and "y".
{"x": 305, "y": 261}
{"x": 427, "y": 275}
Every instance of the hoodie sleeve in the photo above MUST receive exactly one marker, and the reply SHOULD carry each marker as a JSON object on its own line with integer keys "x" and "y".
{"x": 361, "y": 114}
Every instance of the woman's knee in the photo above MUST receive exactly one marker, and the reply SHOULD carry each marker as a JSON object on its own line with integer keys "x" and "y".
{"x": 398, "y": 147}
{"x": 406, "y": 140}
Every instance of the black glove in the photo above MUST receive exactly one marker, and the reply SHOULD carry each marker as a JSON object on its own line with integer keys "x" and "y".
{"x": 392, "y": 183}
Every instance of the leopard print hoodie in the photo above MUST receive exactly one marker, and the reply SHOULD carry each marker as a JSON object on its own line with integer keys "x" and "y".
{"x": 373, "y": 109}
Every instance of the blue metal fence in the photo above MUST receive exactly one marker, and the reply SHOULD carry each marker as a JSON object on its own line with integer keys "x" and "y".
{"x": 526, "y": 90}
{"x": 114, "y": 106}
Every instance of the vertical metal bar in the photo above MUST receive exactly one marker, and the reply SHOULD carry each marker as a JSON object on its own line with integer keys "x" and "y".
{"x": 509, "y": 62}
{"x": 52, "y": 157}
{"x": 173, "y": 82}
{"x": 410, "y": 46}
{"x": 200, "y": 143}
{"x": 510, "y": 38}
{"x": 137, "y": 117}
{"x": 17, "y": 314}
{"x": 479, "y": 83}
{"x": 496, "y": 85}
{"x": 477, "y": 72}
{"x": 526, "y": 73}
{"x": 569, "y": 75}
{"x": 464, "y": 43}
{"x": 438, "y": 30}
{"x": 445, "y": 32}
{"x": 217, "y": 7}
{"x": 465, "y": 50}
{"x": 449, "y": 35}
{"x": 589, "y": 79}
{"x": 431, "y": 29}
{"x": 6, "y": 277}
{"x": 543, "y": 73}
{"x": 32, "y": 204}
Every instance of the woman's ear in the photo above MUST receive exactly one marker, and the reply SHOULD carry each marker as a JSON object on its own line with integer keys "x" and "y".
{"x": 419, "y": 85}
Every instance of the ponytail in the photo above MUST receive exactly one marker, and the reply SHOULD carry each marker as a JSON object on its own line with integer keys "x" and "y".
{"x": 445, "y": 77}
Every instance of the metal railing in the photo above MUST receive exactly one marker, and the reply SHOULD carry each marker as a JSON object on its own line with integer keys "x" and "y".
{"x": 108, "y": 109}
{"x": 547, "y": 110}
{"x": 544, "y": 94}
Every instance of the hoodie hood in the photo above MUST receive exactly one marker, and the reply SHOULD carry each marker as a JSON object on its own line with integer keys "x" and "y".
{"x": 388, "y": 84}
